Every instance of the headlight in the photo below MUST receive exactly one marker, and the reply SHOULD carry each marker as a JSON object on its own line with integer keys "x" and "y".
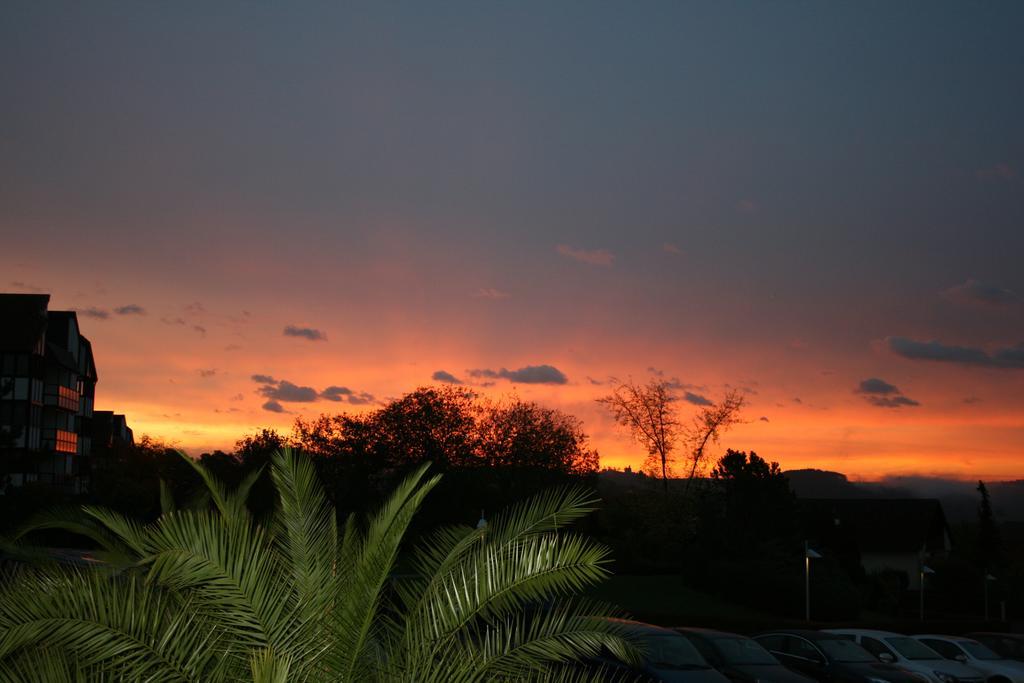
{"x": 945, "y": 677}
{"x": 872, "y": 679}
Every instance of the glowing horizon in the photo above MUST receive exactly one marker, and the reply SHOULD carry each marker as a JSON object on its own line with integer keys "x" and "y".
{"x": 194, "y": 389}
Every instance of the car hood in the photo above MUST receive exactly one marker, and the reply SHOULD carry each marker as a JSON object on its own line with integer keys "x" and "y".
{"x": 687, "y": 675}
{"x": 1008, "y": 666}
{"x": 769, "y": 673}
{"x": 949, "y": 666}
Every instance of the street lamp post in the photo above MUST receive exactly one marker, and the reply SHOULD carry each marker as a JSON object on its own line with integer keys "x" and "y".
{"x": 809, "y": 555}
{"x": 925, "y": 570}
{"x": 988, "y": 578}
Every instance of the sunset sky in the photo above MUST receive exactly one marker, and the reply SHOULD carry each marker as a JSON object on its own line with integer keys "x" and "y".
{"x": 820, "y": 204}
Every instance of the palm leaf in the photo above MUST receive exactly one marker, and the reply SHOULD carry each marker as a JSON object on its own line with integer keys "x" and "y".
{"x": 371, "y": 558}
{"x": 209, "y": 593}
{"x": 107, "y": 625}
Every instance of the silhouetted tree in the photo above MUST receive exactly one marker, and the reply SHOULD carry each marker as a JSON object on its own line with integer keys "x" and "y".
{"x": 648, "y": 412}
{"x": 989, "y": 545}
{"x": 747, "y": 542}
{"x": 736, "y": 468}
{"x": 451, "y": 428}
{"x": 708, "y": 425}
{"x": 333, "y": 435}
{"x": 755, "y": 503}
{"x": 523, "y": 434}
{"x": 493, "y": 452}
{"x": 257, "y": 449}
{"x": 431, "y": 424}
{"x": 127, "y": 477}
{"x": 227, "y": 466}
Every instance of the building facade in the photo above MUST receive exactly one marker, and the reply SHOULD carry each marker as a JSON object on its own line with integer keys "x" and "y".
{"x": 47, "y": 390}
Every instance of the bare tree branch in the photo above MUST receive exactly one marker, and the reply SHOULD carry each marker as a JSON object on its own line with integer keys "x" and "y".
{"x": 708, "y": 426}
{"x": 649, "y": 413}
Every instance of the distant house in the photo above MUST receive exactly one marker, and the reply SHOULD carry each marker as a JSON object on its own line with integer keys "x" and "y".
{"x": 47, "y": 390}
{"x": 110, "y": 430}
{"x": 887, "y": 534}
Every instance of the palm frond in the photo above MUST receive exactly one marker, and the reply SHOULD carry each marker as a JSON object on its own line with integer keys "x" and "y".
{"x": 231, "y": 568}
{"x": 268, "y": 667}
{"x": 306, "y": 531}
{"x": 45, "y": 664}
{"x": 76, "y": 521}
{"x": 559, "y": 632}
{"x": 245, "y": 486}
{"x": 207, "y": 592}
{"x": 546, "y": 511}
{"x": 371, "y": 559}
{"x": 107, "y": 625}
{"x": 167, "y": 504}
{"x": 493, "y": 583}
{"x": 231, "y": 505}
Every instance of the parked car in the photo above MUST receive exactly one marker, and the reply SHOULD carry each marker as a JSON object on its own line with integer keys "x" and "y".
{"x": 997, "y": 669}
{"x": 829, "y": 658}
{"x": 669, "y": 657}
{"x": 912, "y": 655}
{"x": 1009, "y": 645}
{"x": 740, "y": 659}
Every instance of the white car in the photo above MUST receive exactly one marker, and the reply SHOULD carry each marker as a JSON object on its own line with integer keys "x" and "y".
{"x": 911, "y": 655}
{"x": 996, "y": 668}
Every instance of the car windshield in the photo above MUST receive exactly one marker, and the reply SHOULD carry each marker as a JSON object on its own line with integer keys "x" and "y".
{"x": 846, "y": 651}
{"x": 912, "y": 649}
{"x": 673, "y": 652}
{"x": 743, "y": 651}
{"x": 977, "y": 650}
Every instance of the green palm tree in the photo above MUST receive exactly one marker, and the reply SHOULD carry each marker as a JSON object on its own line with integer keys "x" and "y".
{"x": 208, "y": 593}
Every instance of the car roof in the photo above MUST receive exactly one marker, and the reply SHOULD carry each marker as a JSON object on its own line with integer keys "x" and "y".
{"x": 939, "y": 636}
{"x": 810, "y": 634}
{"x": 997, "y": 634}
{"x": 865, "y": 632}
{"x": 709, "y": 633}
{"x": 641, "y": 626}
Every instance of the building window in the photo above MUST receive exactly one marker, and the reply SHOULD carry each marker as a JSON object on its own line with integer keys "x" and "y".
{"x": 68, "y": 399}
{"x": 67, "y": 442}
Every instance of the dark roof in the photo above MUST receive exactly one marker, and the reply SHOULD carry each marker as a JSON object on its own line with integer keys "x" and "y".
{"x": 22, "y": 320}
{"x": 110, "y": 428}
{"x": 88, "y": 363}
{"x": 60, "y": 326}
{"x": 881, "y": 524}
{"x": 61, "y": 356}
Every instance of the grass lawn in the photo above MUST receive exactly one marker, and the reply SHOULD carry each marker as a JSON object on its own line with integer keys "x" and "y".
{"x": 666, "y": 600}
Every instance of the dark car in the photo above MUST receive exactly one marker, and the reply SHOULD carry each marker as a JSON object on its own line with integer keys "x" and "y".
{"x": 741, "y": 659}
{"x": 828, "y": 657}
{"x": 1009, "y": 645}
{"x": 669, "y": 656}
